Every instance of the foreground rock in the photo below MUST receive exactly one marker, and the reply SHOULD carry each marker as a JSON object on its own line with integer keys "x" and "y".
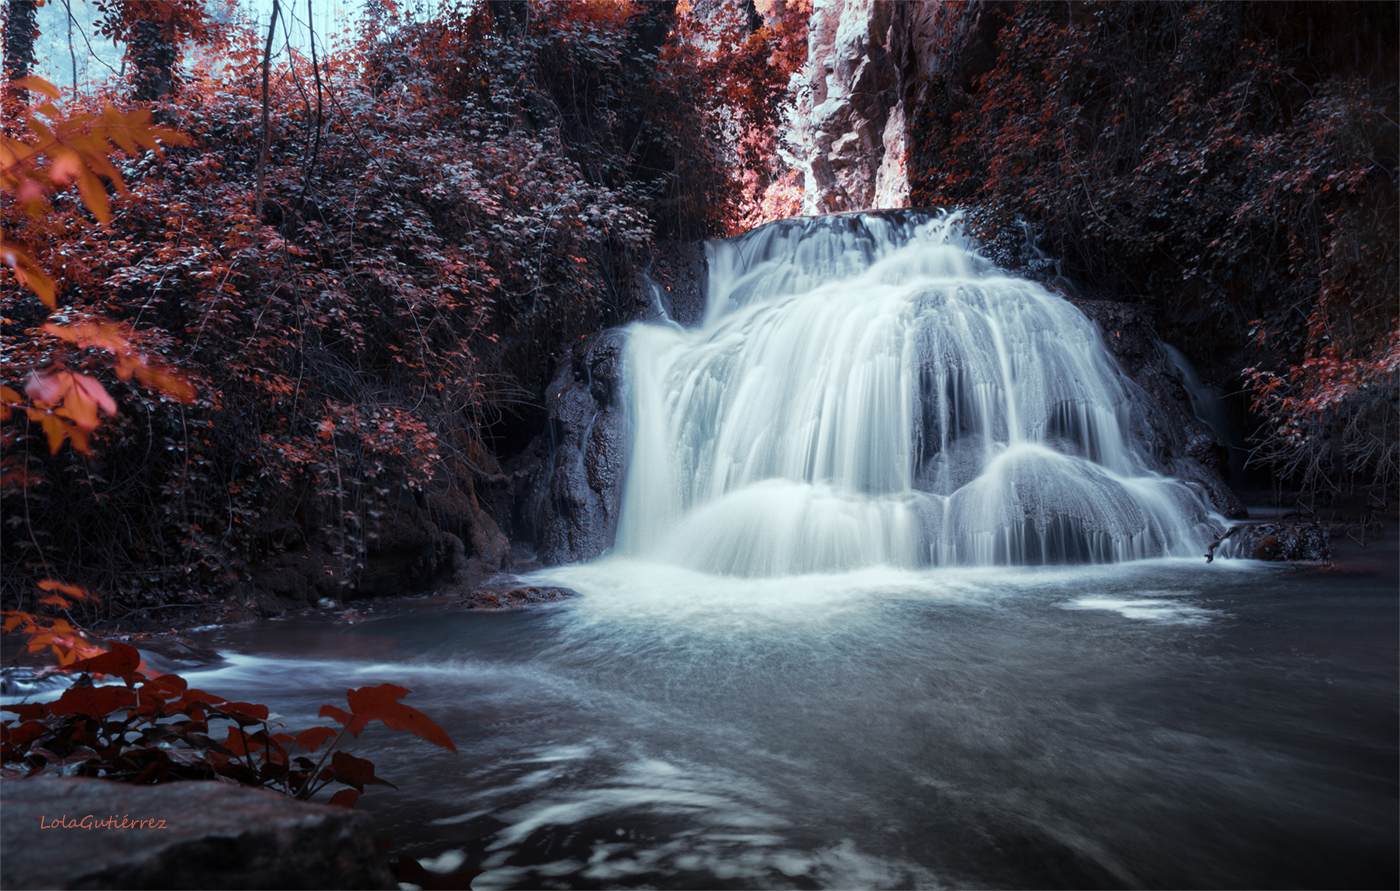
{"x": 1287, "y": 540}
{"x": 197, "y": 835}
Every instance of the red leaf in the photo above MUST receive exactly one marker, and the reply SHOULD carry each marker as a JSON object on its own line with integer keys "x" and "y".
{"x": 243, "y": 712}
{"x": 236, "y": 742}
{"x": 354, "y": 771}
{"x": 345, "y": 798}
{"x": 193, "y": 697}
{"x": 27, "y": 711}
{"x": 344, "y": 717}
{"x": 167, "y": 684}
{"x": 121, "y": 660}
{"x": 95, "y": 701}
{"x": 381, "y": 704}
{"x": 311, "y": 739}
{"x": 22, "y": 734}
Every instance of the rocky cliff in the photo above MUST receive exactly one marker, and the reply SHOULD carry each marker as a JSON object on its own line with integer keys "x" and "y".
{"x": 850, "y": 115}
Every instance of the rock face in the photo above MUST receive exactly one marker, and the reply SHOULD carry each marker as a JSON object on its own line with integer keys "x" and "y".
{"x": 1300, "y": 539}
{"x": 1182, "y": 444}
{"x": 868, "y": 64}
{"x": 677, "y": 272}
{"x": 849, "y": 110}
{"x": 204, "y": 835}
{"x": 579, "y": 490}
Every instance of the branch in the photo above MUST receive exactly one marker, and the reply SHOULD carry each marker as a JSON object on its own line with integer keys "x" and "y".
{"x": 1210, "y": 554}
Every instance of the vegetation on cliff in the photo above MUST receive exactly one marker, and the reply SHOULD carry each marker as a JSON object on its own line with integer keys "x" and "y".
{"x": 1232, "y": 165}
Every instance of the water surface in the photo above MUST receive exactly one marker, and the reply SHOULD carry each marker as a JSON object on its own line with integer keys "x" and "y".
{"x": 1156, "y": 724}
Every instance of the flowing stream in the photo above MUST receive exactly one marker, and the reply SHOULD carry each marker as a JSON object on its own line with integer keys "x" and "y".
{"x": 1159, "y": 723}
{"x": 899, "y": 599}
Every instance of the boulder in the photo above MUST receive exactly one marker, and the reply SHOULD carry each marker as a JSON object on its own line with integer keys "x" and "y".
{"x": 1285, "y": 540}
{"x": 87, "y": 833}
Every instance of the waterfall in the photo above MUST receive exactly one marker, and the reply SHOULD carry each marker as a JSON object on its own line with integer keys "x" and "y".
{"x": 867, "y": 389}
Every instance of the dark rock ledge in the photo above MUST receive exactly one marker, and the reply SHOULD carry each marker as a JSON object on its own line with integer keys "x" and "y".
{"x": 505, "y": 598}
{"x": 208, "y": 835}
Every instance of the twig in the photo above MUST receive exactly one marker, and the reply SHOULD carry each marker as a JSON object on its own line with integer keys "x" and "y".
{"x": 1210, "y": 554}
{"x": 316, "y": 73}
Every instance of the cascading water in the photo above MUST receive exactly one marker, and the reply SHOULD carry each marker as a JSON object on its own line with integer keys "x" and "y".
{"x": 866, "y": 389}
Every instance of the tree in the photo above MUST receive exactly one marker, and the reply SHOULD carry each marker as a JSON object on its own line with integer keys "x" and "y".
{"x": 20, "y": 30}
{"x": 155, "y": 32}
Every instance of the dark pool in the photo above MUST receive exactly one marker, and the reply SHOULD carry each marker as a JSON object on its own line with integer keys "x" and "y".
{"x": 1162, "y": 724}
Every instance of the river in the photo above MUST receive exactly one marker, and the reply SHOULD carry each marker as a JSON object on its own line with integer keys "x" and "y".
{"x": 1161, "y": 723}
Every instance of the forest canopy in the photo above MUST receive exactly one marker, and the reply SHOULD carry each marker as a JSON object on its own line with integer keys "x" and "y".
{"x": 364, "y": 261}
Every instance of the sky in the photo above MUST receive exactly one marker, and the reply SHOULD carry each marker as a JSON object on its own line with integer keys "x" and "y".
{"x": 69, "y": 44}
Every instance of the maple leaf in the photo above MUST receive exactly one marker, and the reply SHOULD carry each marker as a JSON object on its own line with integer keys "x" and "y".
{"x": 95, "y": 701}
{"x": 354, "y": 772}
{"x": 122, "y": 660}
{"x": 312, "y": 739}
{"x": 381, "y": 704}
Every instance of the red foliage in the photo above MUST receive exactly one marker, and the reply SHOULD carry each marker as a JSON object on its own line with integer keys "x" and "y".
{"x": 746, "y": 67}
{"x": 449, "y": 202}
{"x": 156, "y": 729}
{"x": 1235, "y": 164}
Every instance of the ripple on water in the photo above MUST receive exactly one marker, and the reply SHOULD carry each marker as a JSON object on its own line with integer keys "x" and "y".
{"x": 1158, "y": 607}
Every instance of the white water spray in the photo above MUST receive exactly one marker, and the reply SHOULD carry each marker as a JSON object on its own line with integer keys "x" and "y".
{"x": 865, "y": 390}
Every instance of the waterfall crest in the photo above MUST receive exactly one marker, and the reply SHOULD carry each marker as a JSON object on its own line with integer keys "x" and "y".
{"x": 866, "y": 389}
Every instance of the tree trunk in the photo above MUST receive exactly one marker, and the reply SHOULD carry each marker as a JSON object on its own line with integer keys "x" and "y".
{"x": 262, "y": 154}
{"x": 153, "y": 58}
{"x": 20, "y": 31}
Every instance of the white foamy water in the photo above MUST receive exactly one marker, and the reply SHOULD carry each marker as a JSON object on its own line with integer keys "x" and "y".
{"x": 867, "y": 390}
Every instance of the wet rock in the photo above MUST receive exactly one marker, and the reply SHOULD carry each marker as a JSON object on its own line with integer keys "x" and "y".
{"x": 581, "y": 485}
{"x": 405, "y": 549}
{"x": 677, "y": 271}
{"x": 205, "y": 835}
{"x": 1181, "y": 443}
{"x": 455, "y": 506}
{"x": 494, "y": 599}
{"x": 1301, "y": 539}
{"x": 1267, "y": 548}
{"x": 172, "y": 654}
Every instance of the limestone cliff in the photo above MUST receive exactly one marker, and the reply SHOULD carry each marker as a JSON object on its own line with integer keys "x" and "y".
{"x": 849, "y": 121}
